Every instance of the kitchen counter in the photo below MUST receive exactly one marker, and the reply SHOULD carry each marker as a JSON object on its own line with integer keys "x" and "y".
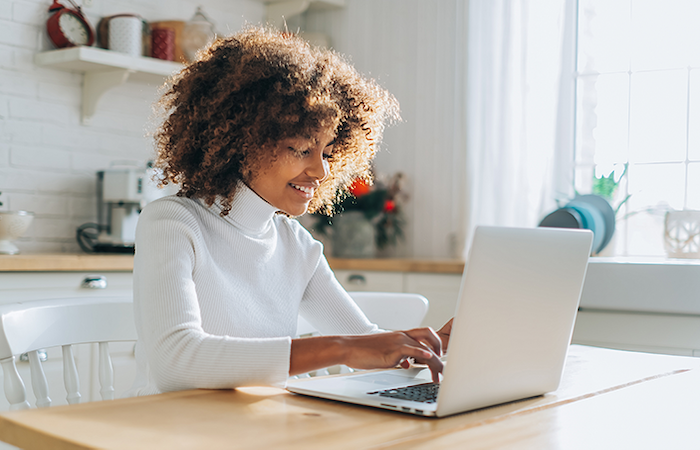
{"x": 450, "y": 266}
{"x": 66, "y": 262}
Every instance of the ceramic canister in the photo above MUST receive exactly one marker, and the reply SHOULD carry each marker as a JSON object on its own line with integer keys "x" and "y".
{"x": 163, "y": 43}
{"x": 126, "y": 34}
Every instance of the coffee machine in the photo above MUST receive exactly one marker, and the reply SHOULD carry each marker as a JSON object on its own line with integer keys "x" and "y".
{"x": 121, "y": 194}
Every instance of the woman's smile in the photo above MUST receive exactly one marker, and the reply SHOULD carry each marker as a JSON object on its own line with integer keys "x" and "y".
{"x": 290, "y": 181}
{"x": 306, "y": 191}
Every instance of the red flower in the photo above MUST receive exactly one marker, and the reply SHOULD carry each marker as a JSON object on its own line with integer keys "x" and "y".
{"x": 389, "y": 206}
{"x": 358, "y": 188}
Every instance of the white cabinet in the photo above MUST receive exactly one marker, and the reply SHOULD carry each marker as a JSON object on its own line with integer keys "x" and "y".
{"x": 367, "y": 280}
{"x": 441, "y": 290}
{"x": 28, "y": 286}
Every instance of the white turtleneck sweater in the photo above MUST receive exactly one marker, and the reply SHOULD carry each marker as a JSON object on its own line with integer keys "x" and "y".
{"x": 216, "y": 299}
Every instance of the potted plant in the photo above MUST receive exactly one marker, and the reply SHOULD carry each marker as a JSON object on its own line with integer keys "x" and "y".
{"x": 368, "y": 217}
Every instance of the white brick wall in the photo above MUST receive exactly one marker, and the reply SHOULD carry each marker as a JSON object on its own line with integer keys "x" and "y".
{"x": 48, "y": 159}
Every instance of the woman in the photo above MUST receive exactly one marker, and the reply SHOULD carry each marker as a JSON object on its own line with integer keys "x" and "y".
{"x": 260, "y": 128}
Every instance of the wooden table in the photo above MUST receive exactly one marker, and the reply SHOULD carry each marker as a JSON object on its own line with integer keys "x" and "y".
{"x": 607, "y": 399}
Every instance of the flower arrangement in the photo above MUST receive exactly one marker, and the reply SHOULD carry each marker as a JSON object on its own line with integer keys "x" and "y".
{"x": 380, "y": 203}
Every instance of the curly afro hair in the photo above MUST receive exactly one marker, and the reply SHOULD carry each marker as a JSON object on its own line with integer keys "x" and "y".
{"x": 223, "y": 114}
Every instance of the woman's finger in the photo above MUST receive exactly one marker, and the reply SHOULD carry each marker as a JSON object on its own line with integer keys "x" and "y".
{"x": 425, "y": 356}
{"x": 444, "y": 334}
{"x": 427, "y": 337}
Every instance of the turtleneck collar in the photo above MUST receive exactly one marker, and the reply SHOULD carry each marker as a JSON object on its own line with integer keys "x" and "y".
{"x": 249, "y": 211}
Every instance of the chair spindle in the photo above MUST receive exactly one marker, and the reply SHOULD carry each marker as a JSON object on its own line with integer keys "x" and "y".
{"x": 39, "y": 383}
{"x": 70, "y": 375}
{"x": 106, "y": 372}
{"x": 13, "y": 384}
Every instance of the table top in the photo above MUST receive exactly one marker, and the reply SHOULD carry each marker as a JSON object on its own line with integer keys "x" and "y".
{"x": 607, "y": 399}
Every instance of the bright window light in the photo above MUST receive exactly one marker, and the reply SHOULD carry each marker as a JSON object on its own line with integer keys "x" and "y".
{"x": 638, "y": 113}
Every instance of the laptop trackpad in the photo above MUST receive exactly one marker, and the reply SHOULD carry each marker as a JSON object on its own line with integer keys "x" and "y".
{"x": 394, "y": 378}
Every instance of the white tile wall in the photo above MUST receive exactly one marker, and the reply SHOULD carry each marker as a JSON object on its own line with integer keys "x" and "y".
{"x": 29, "y": 12}
{"x": 5, "y": 9}
{"x": 48, "y": 159}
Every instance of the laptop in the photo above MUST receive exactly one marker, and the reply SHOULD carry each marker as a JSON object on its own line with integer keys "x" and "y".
{"x": 515, "y": 316}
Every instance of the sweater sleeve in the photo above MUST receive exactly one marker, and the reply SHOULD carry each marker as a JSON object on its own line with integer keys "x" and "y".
{"x": 329, "y": 308}
{"x": 180, "y": 354}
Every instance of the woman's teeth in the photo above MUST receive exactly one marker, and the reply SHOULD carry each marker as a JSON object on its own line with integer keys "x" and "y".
{"x": 308, "y": 190}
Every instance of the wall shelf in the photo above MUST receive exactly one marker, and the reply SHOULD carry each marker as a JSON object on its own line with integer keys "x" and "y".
{"x": 104, "y": 69}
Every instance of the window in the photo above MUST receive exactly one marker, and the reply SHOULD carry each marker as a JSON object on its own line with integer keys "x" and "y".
{"x": 638, "y": 113}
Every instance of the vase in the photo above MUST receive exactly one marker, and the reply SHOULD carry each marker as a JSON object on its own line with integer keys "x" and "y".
{"x": 353, "y": 236}
{"x": 682, "y": 234}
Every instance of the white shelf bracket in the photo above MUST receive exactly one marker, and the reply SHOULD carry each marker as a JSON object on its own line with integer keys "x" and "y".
{"x": 96, "y": 84}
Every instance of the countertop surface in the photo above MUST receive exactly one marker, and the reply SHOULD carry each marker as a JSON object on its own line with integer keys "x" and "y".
{"x": 67, "y": 262}
{"x": 75, "y": 262}
{"x": 399, "y": 265}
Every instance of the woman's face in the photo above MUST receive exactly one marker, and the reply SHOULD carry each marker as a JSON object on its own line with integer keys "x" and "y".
{"x": 290, "y": 181}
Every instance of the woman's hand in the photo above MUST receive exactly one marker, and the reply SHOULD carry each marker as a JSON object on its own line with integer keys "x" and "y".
{"x": 385, "y": 350}
{"x": 369, "y": 351}
{"x": 444, "y": 334}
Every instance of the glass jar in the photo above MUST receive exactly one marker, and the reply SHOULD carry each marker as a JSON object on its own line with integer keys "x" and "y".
{"x": 196, "y": 34}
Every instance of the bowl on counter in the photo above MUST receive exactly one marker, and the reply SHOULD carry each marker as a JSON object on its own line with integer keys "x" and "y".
{"x": 13, "y": 224}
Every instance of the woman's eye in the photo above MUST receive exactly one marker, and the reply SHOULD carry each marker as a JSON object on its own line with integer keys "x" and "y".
{"x": 298, "y": 152}
{"x": 328, "y": 154}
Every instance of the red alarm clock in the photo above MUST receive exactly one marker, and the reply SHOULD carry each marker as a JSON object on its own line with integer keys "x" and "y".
{"x": 68, "y": 27}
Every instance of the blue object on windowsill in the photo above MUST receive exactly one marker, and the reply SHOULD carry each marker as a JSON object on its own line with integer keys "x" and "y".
{"x": 590, "y": 212}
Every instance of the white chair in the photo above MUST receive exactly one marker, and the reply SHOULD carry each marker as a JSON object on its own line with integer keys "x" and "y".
{"x": 392, "y": 311}
{"x": 35, "y": 325}
{"x": 388, "y": 310}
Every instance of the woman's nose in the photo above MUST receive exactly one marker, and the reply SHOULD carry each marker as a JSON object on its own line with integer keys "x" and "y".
{"x": 319, "y": 168}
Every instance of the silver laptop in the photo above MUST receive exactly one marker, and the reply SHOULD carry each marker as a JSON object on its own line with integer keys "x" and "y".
{"x": 513, "y": 325}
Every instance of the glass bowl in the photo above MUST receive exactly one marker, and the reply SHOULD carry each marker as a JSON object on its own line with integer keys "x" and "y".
{"x": 13, "y": 224}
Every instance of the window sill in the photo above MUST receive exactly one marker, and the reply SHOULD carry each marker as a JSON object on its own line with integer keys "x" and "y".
{"x": 643, "y": 284}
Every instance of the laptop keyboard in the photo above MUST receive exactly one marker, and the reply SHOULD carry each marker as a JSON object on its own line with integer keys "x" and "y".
{"x": 424, "y": 393}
